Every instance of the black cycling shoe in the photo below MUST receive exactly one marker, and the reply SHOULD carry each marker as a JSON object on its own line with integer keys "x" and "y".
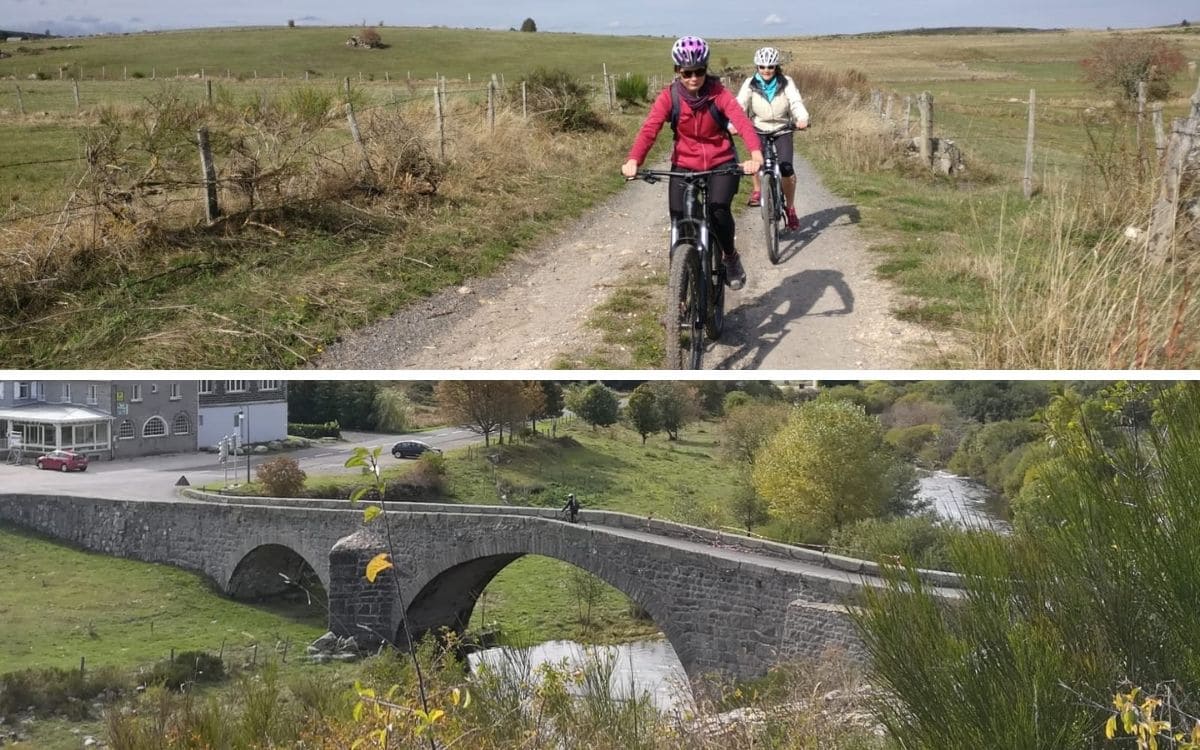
{"x": 735, "y": 275}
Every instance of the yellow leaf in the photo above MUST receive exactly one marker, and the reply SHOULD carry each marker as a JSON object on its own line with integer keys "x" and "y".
{"x": 377, "y": 566}
{"x": 1110, "y": 727}
{"x": 436, "y": 714}
{"x": 455, "y": 696}
{"x": 371, "y": 513}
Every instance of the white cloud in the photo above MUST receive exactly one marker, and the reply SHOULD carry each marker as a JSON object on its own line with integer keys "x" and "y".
{"x": 773, "y": 20}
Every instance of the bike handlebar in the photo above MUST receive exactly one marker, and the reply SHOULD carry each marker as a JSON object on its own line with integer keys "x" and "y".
{"x": 654, "y": 175}
{"x": 784, "y": 130}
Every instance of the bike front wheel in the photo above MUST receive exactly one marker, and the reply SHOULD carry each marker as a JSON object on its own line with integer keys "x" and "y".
{"x": 770, "y": 215}
{"x": 683, "y": 319}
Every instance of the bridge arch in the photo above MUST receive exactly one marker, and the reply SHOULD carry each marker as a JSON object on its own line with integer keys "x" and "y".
{"x": 272, "y": 570}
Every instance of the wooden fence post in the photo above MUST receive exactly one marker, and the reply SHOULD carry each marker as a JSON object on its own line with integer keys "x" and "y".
{"x": 20, "y": 101}
{"x": 1028, "y": 182}
{"x": 208, "y": 90}
{"x": 125, "y": 73}
{"x": 1141, "y": 114}
{"x": 907, "y": 115}
{"x": 346, "y": 83}
{"x": 524, "y": 101}
{"x": 441, "y": 124}
{"x": 211, "y": 209}
{"x": 1184, "y": 137}
{"x": 358, "y": 139}
{"x": 887, "y": 109}
{"x": 1160, "y": 138}
{"x": 492, "y": 104}
{"x": 153, "y": 74}
{"x": 75, "y": 86}
{"x": 925, "y": 105}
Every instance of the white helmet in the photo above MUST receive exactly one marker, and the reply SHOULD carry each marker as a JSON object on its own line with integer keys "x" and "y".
{"x": 766, "y": 56}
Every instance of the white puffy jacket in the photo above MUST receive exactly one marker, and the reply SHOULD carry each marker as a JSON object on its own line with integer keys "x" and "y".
{"x": 775, "y": 113}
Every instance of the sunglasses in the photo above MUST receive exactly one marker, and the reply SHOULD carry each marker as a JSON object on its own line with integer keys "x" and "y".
{"x": 697, "y": 73}
{"x": 766, "y": 67}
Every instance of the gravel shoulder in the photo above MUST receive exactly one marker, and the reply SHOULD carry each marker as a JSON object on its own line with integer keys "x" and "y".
{"x": 821, "y": 308}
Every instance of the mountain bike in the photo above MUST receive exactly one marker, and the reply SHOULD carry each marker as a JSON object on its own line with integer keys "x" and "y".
{"x": 774, "y": 205}
{"x": 695, "y": 281}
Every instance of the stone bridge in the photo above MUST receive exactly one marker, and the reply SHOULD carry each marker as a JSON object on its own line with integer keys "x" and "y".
{"x": 726, "y": 603}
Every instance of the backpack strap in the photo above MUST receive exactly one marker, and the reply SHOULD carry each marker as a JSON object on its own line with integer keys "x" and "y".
{"x": 718, "y": 115}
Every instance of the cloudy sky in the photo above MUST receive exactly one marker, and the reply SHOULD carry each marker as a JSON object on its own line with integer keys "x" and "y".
{"x": 715, "y": 18}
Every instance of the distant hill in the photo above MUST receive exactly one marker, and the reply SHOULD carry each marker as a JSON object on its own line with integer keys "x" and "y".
{"x": 952, "y": 31}
{"x": 27, "y": 34}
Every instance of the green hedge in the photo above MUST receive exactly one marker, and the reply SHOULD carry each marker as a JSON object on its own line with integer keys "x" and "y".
{"x": 329, "y": 429}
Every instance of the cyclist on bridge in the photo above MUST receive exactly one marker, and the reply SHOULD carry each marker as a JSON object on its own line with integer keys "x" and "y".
{"x": 772, "y": 100}
{"x": 699, "y": 110}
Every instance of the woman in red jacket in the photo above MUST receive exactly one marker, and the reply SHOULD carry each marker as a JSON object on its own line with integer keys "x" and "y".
{"x": 702, "y": 141}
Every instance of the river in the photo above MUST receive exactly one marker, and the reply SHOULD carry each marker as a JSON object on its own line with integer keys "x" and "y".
{"x": 653, "y": 665}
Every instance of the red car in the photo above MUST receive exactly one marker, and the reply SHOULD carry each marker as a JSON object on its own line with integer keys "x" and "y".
{"x": 63, "y": 461}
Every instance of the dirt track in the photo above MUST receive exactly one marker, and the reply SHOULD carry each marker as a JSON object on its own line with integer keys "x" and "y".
{"x": 820, "y": 308}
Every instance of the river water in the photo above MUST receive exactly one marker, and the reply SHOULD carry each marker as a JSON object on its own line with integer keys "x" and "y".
{"x": 653, "y": 665}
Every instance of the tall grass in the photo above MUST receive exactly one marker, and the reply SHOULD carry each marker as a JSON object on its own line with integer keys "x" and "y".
{"x": 1096, "y": 590}
{"x": 1070, "y": 287}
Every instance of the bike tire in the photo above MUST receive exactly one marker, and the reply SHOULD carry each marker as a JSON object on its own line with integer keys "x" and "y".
{"x": 684, "y": 347}
{"x": 770, "y": 213}
{"x": 714, "y": 321}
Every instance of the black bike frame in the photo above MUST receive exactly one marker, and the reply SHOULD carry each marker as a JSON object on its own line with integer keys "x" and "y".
{"x": 771, "y": 164}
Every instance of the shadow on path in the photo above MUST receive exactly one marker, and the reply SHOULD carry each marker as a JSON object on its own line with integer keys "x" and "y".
{"x": 763, "y": 321}
{"x": 811, "y": 226}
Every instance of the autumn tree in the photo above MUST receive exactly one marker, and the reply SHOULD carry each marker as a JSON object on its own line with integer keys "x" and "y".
{"x": 642, "y": 411}
{"x": 528, "y": 25}
{"x": 747, "y": 428}
{"x": 1121, "y": 62}
{"x": 481, "y": 405}
{"x": 829, "y": 466}
{"x": 370, "y": 37}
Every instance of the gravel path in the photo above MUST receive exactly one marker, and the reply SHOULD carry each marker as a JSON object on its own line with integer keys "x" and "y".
{"x": 820, "y": 308}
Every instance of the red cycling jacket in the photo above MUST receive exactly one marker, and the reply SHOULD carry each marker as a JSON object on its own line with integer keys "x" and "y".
{"x": 700, "y": 142}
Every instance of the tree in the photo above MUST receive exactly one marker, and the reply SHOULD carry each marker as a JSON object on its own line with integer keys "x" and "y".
{"x": 678, "y": 405}
{"x": 478, "y": 404}
{"x": 828, "y": 466}
{"x": 748, "y": 508}
{"x": 552, "y": 400}
{"x": 596, "y": 404}
{"x": 1121, "y": 62}
{"x": 291, "y": 23}
{"x": 642, "y": 411}
{"x": 748, "y": 427}
{"x": 528, "y": 25}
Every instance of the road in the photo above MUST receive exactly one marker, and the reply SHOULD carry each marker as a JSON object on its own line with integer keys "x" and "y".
{"x": 154, "y": 477}
{"x": 822, "y": 307}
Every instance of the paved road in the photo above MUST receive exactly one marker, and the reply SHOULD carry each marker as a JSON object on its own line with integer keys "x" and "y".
{"x": 154, "y": 477}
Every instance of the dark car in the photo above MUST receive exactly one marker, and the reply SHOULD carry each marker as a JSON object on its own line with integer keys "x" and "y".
{"x": 412, "y": 449}
{"x": 63, "y": 461}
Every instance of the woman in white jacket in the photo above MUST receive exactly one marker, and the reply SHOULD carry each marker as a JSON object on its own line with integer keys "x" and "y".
{"x": 772, "y": 100}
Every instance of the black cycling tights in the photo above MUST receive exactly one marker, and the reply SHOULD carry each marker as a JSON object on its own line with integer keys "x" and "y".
{"x": 721, "y": 189}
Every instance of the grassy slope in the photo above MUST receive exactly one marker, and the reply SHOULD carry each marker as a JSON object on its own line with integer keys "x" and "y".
{"x": 52, "y": 598}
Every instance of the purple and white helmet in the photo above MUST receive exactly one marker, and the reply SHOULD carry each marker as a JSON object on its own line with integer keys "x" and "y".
{"x": 690, "y": 52}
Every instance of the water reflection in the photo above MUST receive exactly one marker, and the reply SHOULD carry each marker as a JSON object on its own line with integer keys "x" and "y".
{"x": 963, "y": 501}
{"x": 652, "y": 666}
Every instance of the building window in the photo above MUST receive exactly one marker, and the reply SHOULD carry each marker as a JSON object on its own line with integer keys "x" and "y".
{"x": 268, "y": 385}
{"x": 126, "y": 431}
{"x": 235, "y": 386}
{"x": 206, "y": 387}
{"x": 154, "y": 427}
{"x": 24, "y": 391}
{"x": 176, "y": 392}
{"x": 66, "y": 393}
{"x": 1, "y": 389}
{"x": 182, "y": 425}
{"x": 93, "y": 397}
{"x": 135, "y": 392}
{"x": 154, "y": 387}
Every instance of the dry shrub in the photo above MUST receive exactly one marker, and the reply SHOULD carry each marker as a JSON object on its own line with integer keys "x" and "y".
{"x": 282, "y": 477}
